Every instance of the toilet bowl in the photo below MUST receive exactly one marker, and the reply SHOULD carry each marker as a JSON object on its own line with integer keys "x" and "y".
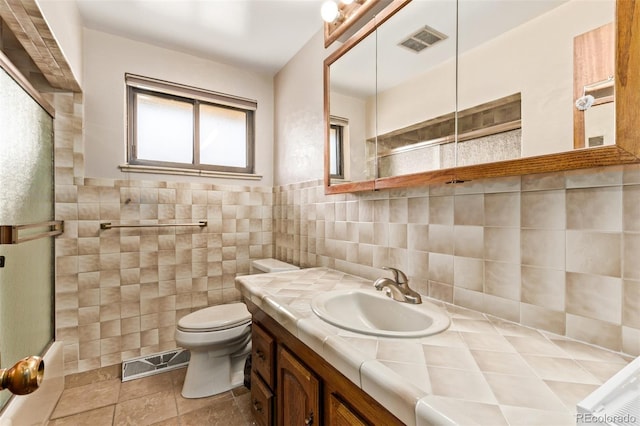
{"x": 219, "y": 339}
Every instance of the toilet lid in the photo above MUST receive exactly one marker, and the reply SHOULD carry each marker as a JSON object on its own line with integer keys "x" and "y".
{"x": 214, "y": 318}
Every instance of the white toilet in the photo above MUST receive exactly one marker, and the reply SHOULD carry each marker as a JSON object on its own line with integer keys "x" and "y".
{"x": 270, "y": 265}
{"x": 219, "y": 339}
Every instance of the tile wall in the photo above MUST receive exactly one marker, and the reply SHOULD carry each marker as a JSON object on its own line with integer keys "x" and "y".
{"x": 120, "y": 292}
{"x": 557, "y": 252}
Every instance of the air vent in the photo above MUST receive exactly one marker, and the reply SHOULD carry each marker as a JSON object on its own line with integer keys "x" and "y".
{"x": 148, "y": 365}
{"x": 423, "y": 38}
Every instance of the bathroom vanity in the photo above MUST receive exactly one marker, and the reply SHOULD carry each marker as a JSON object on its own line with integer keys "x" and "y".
{"x": 291, "y": 384}
{"x": 481, "y": 370}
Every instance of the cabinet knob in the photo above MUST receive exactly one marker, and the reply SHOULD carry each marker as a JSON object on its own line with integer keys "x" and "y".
{"x": 309, "y": 420}
{"x": 260, "y": 354}
{"x": 257, "y": 406}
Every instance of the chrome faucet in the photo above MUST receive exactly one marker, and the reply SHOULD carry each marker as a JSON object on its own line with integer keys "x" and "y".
{"x": 398, "y": 288}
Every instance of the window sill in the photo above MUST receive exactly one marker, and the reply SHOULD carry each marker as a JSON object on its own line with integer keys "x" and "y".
{"x": 187, "y": 172}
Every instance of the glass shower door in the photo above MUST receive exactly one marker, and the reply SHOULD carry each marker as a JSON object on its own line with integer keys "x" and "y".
{"x": 26, "y": 197}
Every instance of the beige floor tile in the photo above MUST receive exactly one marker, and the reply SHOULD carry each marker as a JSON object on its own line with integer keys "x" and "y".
{"x": 87, "y": 397}
{"x": 174, "y": 421}
{"x": 218, "y": 413}
{"x": 153, "y": 400}
{"x": 145, "y": 386}
{"x": 93, "y": 376}
{"x": 187, "y": 405}
{"x": 244, "y": 405}
{"x": 146, "y": 410}
{"x": 98, "y": 417}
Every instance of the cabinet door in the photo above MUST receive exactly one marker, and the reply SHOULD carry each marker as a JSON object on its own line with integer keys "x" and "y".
{"x": 341, "y": 414}
{"x": 298, "y": 392}
{"x": 261, "y": 401}
{"x": 262, "y": 354}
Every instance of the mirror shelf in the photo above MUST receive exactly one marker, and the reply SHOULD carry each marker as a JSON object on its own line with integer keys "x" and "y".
{"x": 627, "y": 109}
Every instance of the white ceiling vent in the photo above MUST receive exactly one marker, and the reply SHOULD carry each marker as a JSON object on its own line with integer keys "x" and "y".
{"x": 423, "y": 38}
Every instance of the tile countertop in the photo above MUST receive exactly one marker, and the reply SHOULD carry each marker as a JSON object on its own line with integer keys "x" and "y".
{"x": 481, "y": 371}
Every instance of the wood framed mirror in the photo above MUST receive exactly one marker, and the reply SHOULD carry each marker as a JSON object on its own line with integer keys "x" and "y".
{"x": 481, "y": 117}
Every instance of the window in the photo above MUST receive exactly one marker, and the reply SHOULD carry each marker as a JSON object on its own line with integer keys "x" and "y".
{"x": 335, "y": 147}
{"x": 338, "y": 146}
{"x": 181, "y": 127}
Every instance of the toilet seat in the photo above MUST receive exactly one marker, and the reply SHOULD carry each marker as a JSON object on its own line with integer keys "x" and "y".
{"x": 215, "y": 318}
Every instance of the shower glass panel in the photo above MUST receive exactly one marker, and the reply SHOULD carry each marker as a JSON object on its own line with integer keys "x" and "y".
{"x": 26, "y": 196}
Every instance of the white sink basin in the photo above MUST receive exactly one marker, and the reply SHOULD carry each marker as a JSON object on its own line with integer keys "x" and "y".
{"x": 371, "y": 312}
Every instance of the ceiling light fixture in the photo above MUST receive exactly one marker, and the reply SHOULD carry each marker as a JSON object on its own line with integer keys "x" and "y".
{"x": 330, "y": 11}
{"x": 334, "y": 11}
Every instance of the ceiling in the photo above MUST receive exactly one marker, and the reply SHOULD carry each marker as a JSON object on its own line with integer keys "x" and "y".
{"x": 260, "y": 34}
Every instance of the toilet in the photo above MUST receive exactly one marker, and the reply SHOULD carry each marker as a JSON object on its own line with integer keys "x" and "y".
{"x": 262, "y": 266}
{"x": 219, "y": 339}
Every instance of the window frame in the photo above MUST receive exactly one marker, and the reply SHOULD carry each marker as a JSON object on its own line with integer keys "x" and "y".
{"x": 339, "y": 150}
{"x": 342, "y": 149}
{"x": 196, "y": 97}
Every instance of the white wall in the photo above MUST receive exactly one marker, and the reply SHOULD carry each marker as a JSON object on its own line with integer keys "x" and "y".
{"x": 106, "y": 60}
{"x": 63, "y": 18}
{"x": 299, "y": 136}
{"x": 535, "y": 59}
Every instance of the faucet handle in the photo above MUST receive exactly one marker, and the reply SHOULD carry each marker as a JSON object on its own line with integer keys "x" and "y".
{"x": 398, "y": 276}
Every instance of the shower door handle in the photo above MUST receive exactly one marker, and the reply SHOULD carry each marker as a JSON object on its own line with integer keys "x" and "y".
{"x": 24, "y": 377}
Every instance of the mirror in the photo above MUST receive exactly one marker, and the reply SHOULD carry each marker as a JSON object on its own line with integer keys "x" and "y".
{"x": 508, "y": 83}
{"x": 539, "y": 50}
{"x": 352, "y": 113}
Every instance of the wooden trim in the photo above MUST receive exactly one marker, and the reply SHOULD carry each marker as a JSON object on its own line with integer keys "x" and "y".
{"x": 367, "y": 29}
{"x": 416, "y": 179}
{"x": 342, "y": 188}
{"x": 627, "y": 84}
{"x": 355, "y": 13}
{"x": 570, "y": 160}
{"x": 326, "y": 122}
{"x": 17, "y": 76}
{"x": 24, "y": 19}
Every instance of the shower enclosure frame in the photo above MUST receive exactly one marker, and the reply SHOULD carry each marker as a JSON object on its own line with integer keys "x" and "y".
{"x": 18, "y": 233}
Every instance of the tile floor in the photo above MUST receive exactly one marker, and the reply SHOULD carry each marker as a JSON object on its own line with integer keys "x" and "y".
{"x": 155, "y": 400}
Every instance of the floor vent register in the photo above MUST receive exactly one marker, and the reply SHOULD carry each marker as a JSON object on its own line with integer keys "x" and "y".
{"x": 148, "y": 365}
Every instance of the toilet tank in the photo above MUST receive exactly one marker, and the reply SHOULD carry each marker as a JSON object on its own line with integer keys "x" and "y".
{"x": 262, "y": 266}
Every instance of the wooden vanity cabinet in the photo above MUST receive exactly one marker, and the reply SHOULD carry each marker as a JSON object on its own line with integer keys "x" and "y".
{"x": 261, "y": 401}
{"x": 340, "y": 414}
{"x": 293, "y": 385}
{"x": 298, "y": 391}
